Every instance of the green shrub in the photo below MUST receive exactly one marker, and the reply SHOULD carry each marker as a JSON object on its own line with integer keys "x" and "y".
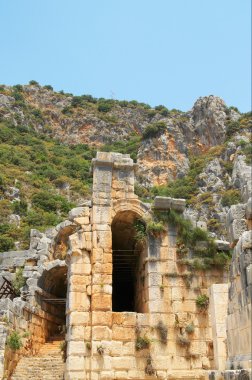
{"x": 18, "y": 96}
{"x": 89, "y": 99}
{"x": 180, "y": 188}
{"x": 14, "y": 341}
{"x": 20, "y": 207}
{"x": 152, "y": 130}
{"x": 142, "y": 343}
{"x": 202, "y": 301}
{"x": 18, "y": 87}
{"x": 155, "y": 228}
{"x": 45, "y": 200}
{"x": 163, "y": 110}
{"x": 76, "y": 101}
{"x": 232, "y": 128}
{"x": 198, "y": 235}
{"x": 130, "y": 146}
{"x": 123, "y": 103}
{"x": 140, "y": 230}
{"x": 48, "y": 87}
{"x": 104, "y": 107}
{"x": 37, "y": 113}
{"x": 19, "y": 280}
{"x": 6, "y": 243}
{"x": 230, "y": 197}
{"x": 222, "y": 259}
{"x": 190, "y": 328}
{"x": 33, "y": 83}
{"x": 247, "y": 151}
{"x": 234, "y": 109}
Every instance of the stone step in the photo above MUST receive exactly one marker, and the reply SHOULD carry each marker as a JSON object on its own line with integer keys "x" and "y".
{"x": 46, "y": 365}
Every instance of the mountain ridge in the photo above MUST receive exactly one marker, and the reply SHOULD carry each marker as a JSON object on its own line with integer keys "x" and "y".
{"x": 49, "y": 138}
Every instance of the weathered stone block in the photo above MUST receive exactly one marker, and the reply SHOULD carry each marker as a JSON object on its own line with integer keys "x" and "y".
{"x": 124, "y": 318}
{"x": 101, "y": 333}
{"x": 123, "y": 363}
{"x": 237, "y": 227}
{"x": 101, "y": 302}
{"x": 75, "y": 363}
{"x": 79, "y": 318}
{"x": 236, "y": 212}
{"x": 166, "y": 203}
{"x": 222, "y": 245}
{"x": 78, "y": 212}
{"x": 246, "y": 240}
{"x": 249, "y": 274}
{"x": 101, "y": 318}
{"x": 248, "y": 211}
{"x": 123, "y": 333}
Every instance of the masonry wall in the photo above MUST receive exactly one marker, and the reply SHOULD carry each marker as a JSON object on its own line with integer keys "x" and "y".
{"x": 240, "y": 289}
{"x": 103, "y": 344}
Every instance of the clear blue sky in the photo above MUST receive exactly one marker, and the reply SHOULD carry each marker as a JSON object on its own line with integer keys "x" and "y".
{"x": 156, "y": 51}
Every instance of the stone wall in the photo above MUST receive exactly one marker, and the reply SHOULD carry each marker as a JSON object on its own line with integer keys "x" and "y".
{"x": 105, "y": 344}
{"x": 33, "y": 327}
{"x": 240, "y": 289}
{"x": 162, "y": 334}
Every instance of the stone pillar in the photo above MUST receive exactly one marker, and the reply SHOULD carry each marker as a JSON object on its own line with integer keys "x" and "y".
{"x": 78, "y": 298}
{"x": 3, "y": 336}
{"x": 218, "y": 311}
{"x": 113, "y": 178}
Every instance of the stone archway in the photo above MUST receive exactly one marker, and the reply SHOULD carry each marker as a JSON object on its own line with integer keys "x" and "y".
{"x": 52, "y": 295}
{"x": 128, "y": 258}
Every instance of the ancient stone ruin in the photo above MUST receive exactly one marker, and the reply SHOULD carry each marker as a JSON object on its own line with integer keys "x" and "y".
{"x": 124, "y": 306}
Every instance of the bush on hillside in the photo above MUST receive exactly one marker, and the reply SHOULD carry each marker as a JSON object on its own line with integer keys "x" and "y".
{"x": 152, "y": 130}
{"x": 33, "y": 83}
{"x": 104, "y": 107}
{"x": 230, "y": 197}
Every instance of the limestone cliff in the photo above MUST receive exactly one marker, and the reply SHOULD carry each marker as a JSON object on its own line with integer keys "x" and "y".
{"x": 205, "y": 150}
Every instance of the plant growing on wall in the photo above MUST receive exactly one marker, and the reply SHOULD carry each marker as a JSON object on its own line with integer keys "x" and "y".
{"x": 149, "y": 369}
{"x": 183, "y": 341}
{"x": 142, "y": 342}
{"x": 14, "y": 341}
{"x": 100, "y": 349}
{"x": 155, "y": 228}
{"x": 194, "y": 239}
{"x": 140, "y": 230}
{"x": 88, "y": 346}
{"x": 162, "y": 331}
{"x": 19, "y": 280}
{"x": 202, "y": 301}
{"x": 190, "y": 328}
{"x": 63, "y": 349}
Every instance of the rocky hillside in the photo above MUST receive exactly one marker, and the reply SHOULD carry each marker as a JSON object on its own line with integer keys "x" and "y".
{"x": 48, "y": 139}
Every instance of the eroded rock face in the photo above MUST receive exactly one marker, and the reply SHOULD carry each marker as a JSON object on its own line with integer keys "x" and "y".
{"x": 165, "y": 157}
{"x": 242, "y": 177}
{"x": 209, "y": 116}
{"x": 162, "y": 159}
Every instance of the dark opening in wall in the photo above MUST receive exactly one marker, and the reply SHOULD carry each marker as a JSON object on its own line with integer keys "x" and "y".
{"x": 126, "y": 263}
{"x": 52, "y": 297}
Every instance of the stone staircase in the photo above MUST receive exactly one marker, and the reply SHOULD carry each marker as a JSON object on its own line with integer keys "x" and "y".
{"x": 46, "y": 365}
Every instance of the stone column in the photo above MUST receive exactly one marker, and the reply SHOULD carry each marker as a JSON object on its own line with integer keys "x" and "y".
{"x": 3, "y": 336}
{"x": 218, "y": 311}
{"x": 78, "y": 299}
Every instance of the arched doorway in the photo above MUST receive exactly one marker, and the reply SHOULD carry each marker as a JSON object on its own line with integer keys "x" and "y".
{"x": 52, "y": 297}
{"x": 128, "y": 292}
